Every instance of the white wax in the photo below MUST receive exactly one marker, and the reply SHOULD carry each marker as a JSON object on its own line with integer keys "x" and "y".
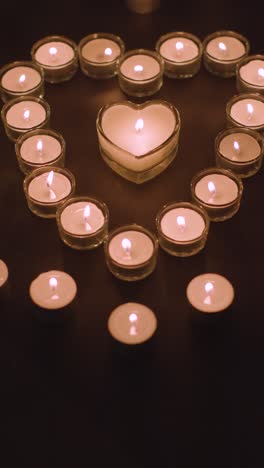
{"x": 234, "y": 48}
{"x": 64, "y": 55}
{"x": 151, "y": 67}
{"x": 210, "y": 293}
{"x": 51, "y": 149}
{"x": 132, "y": 323}
{"x": 10, "y": 80}
{"x": 94, "y": 50}
{"x": 15, "y": 115}
{"x": 119, "y": 122}
{"x": 188, "y": 52}
{"x": 142, "y": 248}
{"x": 249, "y": 72}
{"x": 3, "y": 273}
{"x": 50, "y": 298}
{"x": 194, "y": 225}
{"x": 73, "y": 221}
{"x": 226, "y": 189}
{"x": 239, "y": 112}
{"x": 248, "y": 151}
{"x": 39, "y": 190}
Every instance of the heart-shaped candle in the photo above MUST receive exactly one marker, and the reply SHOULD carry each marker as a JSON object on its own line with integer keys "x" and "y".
{"x": 138, "y": 141}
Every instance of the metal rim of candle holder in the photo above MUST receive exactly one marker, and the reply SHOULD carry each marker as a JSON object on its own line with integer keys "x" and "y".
{"x": 241, "y": 64}
{"x": 228, "y": 33}
{"x": 53, "y": 133}
{"x": 180, "y": 34}
{"x": 55, "y": 38}
{"x": 26, "y": 64}
{"x": 150, "y": 53}
{"x": 240, "y": 97}
{"x": 12, "y": 102}
{"x": 247, "y": 131}
{"x": 101, "y": 35}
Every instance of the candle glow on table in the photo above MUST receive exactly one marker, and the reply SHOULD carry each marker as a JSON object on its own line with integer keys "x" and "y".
{"x": 210, "y": 293}
{"x": 3, "y": 273}
{"x": 53, "y": 290}
{"x": 129, "y": 134}
{"x": 132, "y": 323}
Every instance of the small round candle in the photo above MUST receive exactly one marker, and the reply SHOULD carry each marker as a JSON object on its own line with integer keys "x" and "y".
{"x": 131, "y": 252}
{"x": 210, "y": 293}
{"x": 219, "y": 191}
{"x": 40, "y": 148}
{"x": 23, "y": 114}
{"x": 138, "y": 141}
{"x": 3, "y": 273}
{"x": 223, "y": 50}
{"x": 181, "y": 53}
{"x": 132, "y": 323}
{"x": 58, "y": 57}
{"x": 246, "y": 110}
{"x": 182, "y": 228}
{"x": 47, "y": 188}
{"x": 240, "y": 150}
{"x": 250, "y": 75}
{"x": 83, "y": 222}
{"x": 141, "y": 72}
{"x": 20, "y": 79}
{"x": 99, "y": 54}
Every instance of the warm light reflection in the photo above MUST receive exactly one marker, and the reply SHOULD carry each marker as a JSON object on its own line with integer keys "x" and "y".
{"x": 22, "y": 79}
{"x": 139, "y": 125}
{"x": 261, "y": 73}
{"x": 222, "y": 46}
{"x": 236, "y": 146}
{"x": 132, "y": 317}
{"x": 181, "y": 222}
{"x": 250, "y": 110}
{"x": 108, "y": 51}
{"x": 138, "y": 68}
{"x": 26, "y": 114}
{"x": 179, "y": 47}
{"x": 208, "y": 287}
{"x": 86, "y": 216}
{"x": 50, "y": 178}
{"x": 126, "y": 244}
{"x": 53, "y": 52}
{"x": 53, "y": 283}
{"x": 211, "y": 188}
{"x": 40, "y": 146}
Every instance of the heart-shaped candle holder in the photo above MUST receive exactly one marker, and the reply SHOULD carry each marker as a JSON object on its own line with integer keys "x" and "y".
{"x": 138, "y": 141}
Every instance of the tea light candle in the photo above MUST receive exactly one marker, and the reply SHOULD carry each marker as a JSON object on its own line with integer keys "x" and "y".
{"x": 40, "y": 148}
{"x": 20, "y": 79}
{"x": 99, "y": 54}
{"x": 240, "y": 150}
{"x": 210, "y": 293}
{"x": 223, "y": 50}
{"x": 3, "y": 273}
{"x": 246, "y": 110}
{"x": 218, "y": 191}
{"x": 182, "y": 228}
{"x": 83, "y": 222}
{"x": 250, "y": 75}
{"x": 132, "y": 323}
{"x": 23, "y": 114}
{"x": 47, "y": 188}
{"x": 53, "y": 291}
{"x": 140, "y": 72}
{"x": 181, "y": 53}
{"x": 138, "y": 141}
{"x": 131, "y": 252}
{"x": 58, "y": 57}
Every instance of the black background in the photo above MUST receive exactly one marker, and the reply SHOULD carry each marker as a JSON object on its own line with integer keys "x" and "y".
{"x": 71, "y": 396}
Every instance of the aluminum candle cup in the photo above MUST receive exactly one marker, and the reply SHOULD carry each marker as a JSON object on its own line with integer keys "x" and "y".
{"x": 53, "y": 293}
{"x": 138, "y": 141}
{"x": 99, "y": 55}
{"x": 223, "y": 50}
{"x": 240, "y": 150}
{"x": 21, "y": 79}
{"x": 140, "y": 73}
{"x": 218, "y": 191}
{"x": 83, "y": 222}
{"x": 58, "y": 57}
{"x": 246, "y": 110}
{"x": 182, "y": 228}
{"x": 250, "y": 75}
{"x": 47, "y": 188}
{"x": 181, "y": 52}
{"x": 40, "y": 148}
{"x": 23, "y": 114}
{"x": 131, "y": 252}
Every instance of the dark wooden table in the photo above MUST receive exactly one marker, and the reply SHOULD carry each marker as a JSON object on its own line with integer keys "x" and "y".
{"x": 71, "y": 396}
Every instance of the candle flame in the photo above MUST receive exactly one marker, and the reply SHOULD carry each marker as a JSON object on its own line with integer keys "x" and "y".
{"x": 181, "y": 221}
{"x": 53, "y": 283}
{"x": 39, "y": 146}
{"x": 86, "y": 212}
{"x": 179, "y": 46}
{"x": 26, "y": 114}
{"x": 138, "y": 68}
{"x": 53, "y": 52}
{"x": 261, "y": 73}
{"x": 22, "y": 79}
{"x": 108, "y": 51}
{"x": 139, "y": 125}
{"x": 236, "y": 146}
{"x": 208, "y": 287}
{"x": 250, "y": 110}
{"x": 211, "y": 187}
{"x": 50, "y": 179}
{"x": 133, "y": 318}
{"x": 126, "y": 244}
{"x": 222, "y": 46}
